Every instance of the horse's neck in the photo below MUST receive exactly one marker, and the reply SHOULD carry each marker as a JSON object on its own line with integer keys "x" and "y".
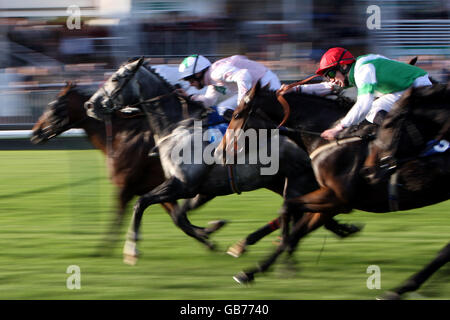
{"x": 314, "y": 113}
{"x": 96, "y": 133}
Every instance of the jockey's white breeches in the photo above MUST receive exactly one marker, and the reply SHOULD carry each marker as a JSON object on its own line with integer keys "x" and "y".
{"x": 386, "y": 101}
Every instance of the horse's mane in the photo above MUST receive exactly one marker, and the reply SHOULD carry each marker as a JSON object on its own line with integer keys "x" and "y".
{"x": 430, "y": 95}
{"x": 423, "y": 99}
{"x": 159, "y": 76}
{"x": 72, "y": 86}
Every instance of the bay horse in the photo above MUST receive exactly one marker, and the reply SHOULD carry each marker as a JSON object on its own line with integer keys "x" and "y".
{"x": 132, "y": 87}
{"x": 337, "y": 165}
{"x": 126, "y": 145}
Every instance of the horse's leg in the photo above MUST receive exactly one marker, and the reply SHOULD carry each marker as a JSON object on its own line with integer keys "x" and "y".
{"x": 169, "y": 191}
{"x": 195, "y": 203}
{"x": 180, "y": 219}
{"x": 420, "y": 277}
{"x": 239, "y": 247}
{"x": 342, "y": 230}
{"x": 285, "y": 217}
{"x": 320, "y": 200}
{"x": 124, "y": 196}
{"x": 165, "y": 192}
{"x": 308, "y": 223}
{"x": 130, "y": 251}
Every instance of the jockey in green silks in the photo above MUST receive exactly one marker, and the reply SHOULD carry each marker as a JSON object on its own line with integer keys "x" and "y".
{"x": 373, "y": 75}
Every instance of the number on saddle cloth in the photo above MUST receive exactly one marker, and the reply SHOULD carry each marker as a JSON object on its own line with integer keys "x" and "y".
{"x": 217, "y": 125}
{"x": 434, "y": 147}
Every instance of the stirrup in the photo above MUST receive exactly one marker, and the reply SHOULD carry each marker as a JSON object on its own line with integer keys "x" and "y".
{"x": 153, "y": 153}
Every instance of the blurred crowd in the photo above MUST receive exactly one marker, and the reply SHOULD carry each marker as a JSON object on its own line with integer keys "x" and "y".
{"x": 288, "y": 36}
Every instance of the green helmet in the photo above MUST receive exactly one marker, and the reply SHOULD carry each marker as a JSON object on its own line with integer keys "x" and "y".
{"x": 193, "y": 64}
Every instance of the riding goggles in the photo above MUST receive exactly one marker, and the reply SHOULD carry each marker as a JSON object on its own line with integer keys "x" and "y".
{"x": 330, "y": 74}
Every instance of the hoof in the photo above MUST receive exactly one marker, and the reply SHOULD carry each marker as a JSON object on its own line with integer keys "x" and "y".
{"x": 130, "y": 260}
{"x": 243, "y": 278}
{"x": 130, "y": 253}
{"x": 389, "y": 295}
{"x": 215, "y": 225}
{"x": 347, "y": 230}
{"x": 211, "y": 246}
{"x": 237, "y": 249}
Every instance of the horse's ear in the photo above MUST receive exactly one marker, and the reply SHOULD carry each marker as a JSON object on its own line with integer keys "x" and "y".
{"x": 136, "y": 64}
{"x": 140, "y": 62}
{"x": 266, "y": 87}
{"x": 408, "y": 93}
{"x": 256, "y": 88}
{"x": 405, "y": 99}
{"x": 413, "y": 60}
{"x": 71, "y": 84}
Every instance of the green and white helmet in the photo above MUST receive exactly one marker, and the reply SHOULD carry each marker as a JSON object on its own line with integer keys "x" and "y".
{"x": 193, "y": 64}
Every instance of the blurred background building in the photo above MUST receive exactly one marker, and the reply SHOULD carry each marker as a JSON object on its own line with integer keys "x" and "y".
{"x": 45, "y": 43}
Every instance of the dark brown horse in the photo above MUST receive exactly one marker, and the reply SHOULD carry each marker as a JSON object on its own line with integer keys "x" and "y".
{"x": 411, "y": 132}
{"x": 126, "y": 142}
{"x": 420, "y": 182}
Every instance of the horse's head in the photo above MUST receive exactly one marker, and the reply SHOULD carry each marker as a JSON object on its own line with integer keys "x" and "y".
{"x": 120, "y": 90}
{"x": 255, "y": 102}
{"x": 417, "y": 118}
{"x": 63, "y": 113}
{"x": 248, "y": 115}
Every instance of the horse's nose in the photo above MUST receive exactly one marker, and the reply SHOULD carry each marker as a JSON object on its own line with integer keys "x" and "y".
{"x": 36, "y": 136}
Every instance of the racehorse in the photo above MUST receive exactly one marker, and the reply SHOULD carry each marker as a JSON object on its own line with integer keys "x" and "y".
{"x": 125, "y": 142}
{"x": 133, "y": 87}
{"x": 412, "y": 132}
{"x": 337, "y": 167}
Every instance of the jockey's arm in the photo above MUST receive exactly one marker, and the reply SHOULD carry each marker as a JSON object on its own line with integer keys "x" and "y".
{"x": 359, "y": 110}
{"x": 365, "y": 80}
{"x": 241, "y": 77}
{"x": 209, "y": 98}
{"x": 356, "y": 114}
{"x": 318, "y": 89}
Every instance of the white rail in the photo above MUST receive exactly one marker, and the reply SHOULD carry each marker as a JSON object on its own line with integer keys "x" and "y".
{"x": 26, "y": 134}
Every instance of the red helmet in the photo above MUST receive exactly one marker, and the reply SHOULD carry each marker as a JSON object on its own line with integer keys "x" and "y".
{"x": 333, "y": 58}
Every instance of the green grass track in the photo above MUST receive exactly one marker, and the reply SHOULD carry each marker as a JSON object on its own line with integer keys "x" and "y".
{"x": 55, "y": 207}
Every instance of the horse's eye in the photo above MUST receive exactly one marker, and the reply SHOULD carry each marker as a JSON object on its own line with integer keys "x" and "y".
{"x": 114, "y": 79}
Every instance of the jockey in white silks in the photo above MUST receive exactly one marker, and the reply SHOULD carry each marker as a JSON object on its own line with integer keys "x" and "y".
{"x": 228, "y": 78}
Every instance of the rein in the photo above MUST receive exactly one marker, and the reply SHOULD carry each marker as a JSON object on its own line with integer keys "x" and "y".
{"x": 284, "y": 103}
{"x": 109, "y": 139}
{"x": 183, "y": 102}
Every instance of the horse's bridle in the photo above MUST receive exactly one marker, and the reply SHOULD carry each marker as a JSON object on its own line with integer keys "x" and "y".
{"x": 59, "y": 125}
{"x": 112, "y": 106}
